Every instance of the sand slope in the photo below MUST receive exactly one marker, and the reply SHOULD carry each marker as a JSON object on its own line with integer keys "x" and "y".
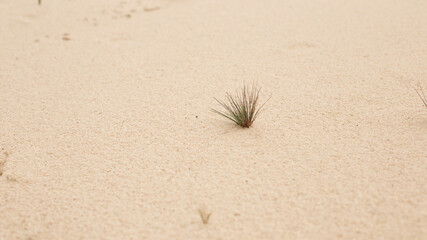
{"x": 105, "y": 129}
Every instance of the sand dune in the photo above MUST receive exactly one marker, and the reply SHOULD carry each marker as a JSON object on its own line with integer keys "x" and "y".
{"x": 106, "y": 130}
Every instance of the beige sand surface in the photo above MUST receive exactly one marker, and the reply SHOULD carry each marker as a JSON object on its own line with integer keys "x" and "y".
{"x": 105, "y": 129}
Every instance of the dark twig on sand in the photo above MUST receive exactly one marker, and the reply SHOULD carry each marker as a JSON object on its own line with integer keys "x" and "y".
{"x": 421, "y": 94}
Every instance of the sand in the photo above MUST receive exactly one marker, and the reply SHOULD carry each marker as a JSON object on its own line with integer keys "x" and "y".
{"x": 106, "y": 130}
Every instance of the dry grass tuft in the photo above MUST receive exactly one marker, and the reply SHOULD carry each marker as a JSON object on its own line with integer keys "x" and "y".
{"x": 204, "y": 216}
{"x": 241, "y": 108}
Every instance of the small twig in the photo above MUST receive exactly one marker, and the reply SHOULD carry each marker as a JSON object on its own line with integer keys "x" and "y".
{"x": 421, "y": 94}
{"x": 40, "y": 2}
{"x": 150, "y": 9}
{"x": 3, "y": 161}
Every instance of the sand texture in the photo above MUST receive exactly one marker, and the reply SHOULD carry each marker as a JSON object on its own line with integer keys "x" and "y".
{"x": 106, "y": 130}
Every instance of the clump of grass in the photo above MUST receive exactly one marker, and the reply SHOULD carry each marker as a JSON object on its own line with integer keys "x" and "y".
{"x": 241, "y": 108}
{"x": 204, "y": 216}
{"x": 420, "y": 93}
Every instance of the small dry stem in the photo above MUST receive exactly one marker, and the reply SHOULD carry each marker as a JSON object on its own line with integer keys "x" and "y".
{"x": 421, "y": 94}
{"x": 204, "y": 216}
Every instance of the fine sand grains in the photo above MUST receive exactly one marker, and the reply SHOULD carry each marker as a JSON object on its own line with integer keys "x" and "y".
{"x": 105, "y": 114}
